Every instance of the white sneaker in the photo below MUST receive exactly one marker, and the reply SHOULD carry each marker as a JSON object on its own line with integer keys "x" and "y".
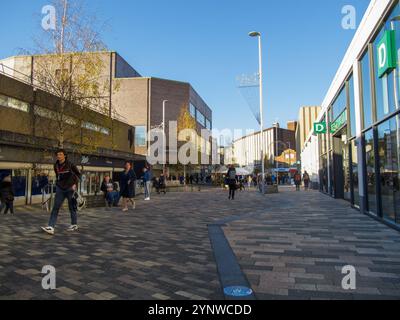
{"x": 125, "y": 209}
{"x": 48, "y": 230}
{"x": 73, "y": 228}
{"x": 147, "y": 199}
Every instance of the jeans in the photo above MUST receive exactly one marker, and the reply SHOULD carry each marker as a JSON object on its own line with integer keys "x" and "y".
{"x": 61, "y": 195}
{"x": 147, "y": 189}
{"x": 112, "y": 197}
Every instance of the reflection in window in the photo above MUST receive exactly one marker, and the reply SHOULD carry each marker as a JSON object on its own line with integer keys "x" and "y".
{"x": 323, "y": 174}
{"x": 353, "y": 130}
{"x": 140, "y": 136}
{"x": 19, "y": 182}
{"x": 371, "y": 174}
{"x": 201, "y": 118}
{"x": 354, "y": 171}
{"x": 192, "y": 110}
{"x": 346, "y": 172}
{"x": 13, "y": 103}
{"x": 384, "y": 87}
{"x": 339, "y": 105}
{"x": 366, "y": 90}
{"x": 208, "y": 124}
{"x": 388, "y": 164}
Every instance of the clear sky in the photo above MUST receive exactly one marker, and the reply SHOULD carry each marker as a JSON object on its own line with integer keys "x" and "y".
{"x": 205, "y": 43}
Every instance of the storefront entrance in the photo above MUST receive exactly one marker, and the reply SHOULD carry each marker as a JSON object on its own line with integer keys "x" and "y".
{"x": 341, "y": 165}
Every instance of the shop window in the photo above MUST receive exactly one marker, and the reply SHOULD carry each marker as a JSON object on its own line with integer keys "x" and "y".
{"x": 370, "y": 168}
{"x": 339, "y": 105}
{"x": 366, "y": 90}
{"x": 19, "y": 182}
{"x": 40, "y": 179}
{"x": 389, "y": 167}
{"x": 354, "y": 173}
{"x": 352, "y": 120}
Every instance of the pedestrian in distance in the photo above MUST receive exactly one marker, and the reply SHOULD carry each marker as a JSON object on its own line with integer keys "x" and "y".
{"x": 231, "y": 179}
{"x": 249, "y": 182}
{"x": 146, "y": 183}
{"x": 297, "y": 181}
{"x": 127, "y": 187}
{"x": 7, "y": 195}
{"x": 162, "y": 184}
{"x": 68, "y": 177}
{"x": 306, "y": 179}
{"x": 110, "y": 191}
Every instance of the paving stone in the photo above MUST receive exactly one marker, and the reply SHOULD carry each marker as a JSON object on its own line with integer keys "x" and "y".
{"x": 289, "y": 245}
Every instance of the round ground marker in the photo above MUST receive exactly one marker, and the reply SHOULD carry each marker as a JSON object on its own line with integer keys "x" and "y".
{"x": 238, "y": 291}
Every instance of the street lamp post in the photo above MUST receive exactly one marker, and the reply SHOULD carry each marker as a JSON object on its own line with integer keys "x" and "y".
{"x": 163, "y": 126}
{"x": 258, "y": 34}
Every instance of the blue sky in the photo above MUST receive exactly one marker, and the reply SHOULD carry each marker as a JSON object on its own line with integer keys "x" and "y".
{"x": 206, "y": 43}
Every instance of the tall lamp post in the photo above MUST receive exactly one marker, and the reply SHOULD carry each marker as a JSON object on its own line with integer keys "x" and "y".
{"x": 258, "y": 34}
{"x": 163, "y": 126}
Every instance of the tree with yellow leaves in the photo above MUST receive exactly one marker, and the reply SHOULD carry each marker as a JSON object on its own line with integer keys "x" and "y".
{"x": 186, "y": 122}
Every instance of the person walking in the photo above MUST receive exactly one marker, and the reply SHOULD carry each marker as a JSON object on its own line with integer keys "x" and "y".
{"x": 162, "y": 184}
{"x": 297, "y": 181}
{"x": 128, "y": 181}
{"x": 7, "y": 195}
{"x": 249, "y": 182}
{"x": 306, "y": 179}
{"x": 146, "y": 183}
{"x": 68, "y": 177}
{"x": 110, "y": 190}
{"x": 231, "y": 177}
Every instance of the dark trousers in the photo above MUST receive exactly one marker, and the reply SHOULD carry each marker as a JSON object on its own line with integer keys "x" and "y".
{"x": 112, "y": 198}
{"x": 232, "y": 189}
{"x": 9, "y": 205}
{"x": 297, "y": 187}
{"x": 61, "y": 195}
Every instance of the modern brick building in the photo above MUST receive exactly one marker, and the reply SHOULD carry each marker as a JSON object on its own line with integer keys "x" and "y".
{"x": 138, "y": 101}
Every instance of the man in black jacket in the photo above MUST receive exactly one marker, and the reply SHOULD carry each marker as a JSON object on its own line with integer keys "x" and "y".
{"x": 68, "y": 177}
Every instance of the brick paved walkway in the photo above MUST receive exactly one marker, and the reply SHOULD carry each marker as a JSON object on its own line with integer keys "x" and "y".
{"x": 297, "y": 248}
{"x": 162, "y": 250}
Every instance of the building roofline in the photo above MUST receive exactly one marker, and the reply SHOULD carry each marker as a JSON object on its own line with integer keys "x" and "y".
{"x": 258, "y": 132}
{"x": 53, "y": 54}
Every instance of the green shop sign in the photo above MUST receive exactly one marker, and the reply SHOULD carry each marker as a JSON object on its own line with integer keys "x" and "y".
{"x": 339, "y": 122}
{"x": 320, "y": 128}
{"x": 386, "y": 53}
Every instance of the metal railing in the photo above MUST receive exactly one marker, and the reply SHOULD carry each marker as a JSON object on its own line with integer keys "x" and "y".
{"x": 48, "y": 197}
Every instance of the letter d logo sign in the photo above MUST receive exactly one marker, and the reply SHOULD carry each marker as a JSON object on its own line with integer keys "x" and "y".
{"x": 382, "y": 55}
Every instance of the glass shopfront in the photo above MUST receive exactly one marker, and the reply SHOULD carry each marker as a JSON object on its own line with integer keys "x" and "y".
{"x": 388, "y": 146}
{"x": 370, "y": 172}
{"x": 374, "y": 152}
{"x": 355, "y": 191}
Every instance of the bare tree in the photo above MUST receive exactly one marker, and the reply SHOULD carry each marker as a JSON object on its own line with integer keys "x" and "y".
{"x": 67, "y": 64}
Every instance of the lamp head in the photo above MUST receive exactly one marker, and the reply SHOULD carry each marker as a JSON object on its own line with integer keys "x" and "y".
{"x": 255, "y": 34}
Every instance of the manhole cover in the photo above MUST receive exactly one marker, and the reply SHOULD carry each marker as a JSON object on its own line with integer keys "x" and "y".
{"x": 238, "y": 291}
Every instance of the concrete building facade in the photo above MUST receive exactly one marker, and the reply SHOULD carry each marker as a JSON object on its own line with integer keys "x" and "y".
{"x": 247, "y": 150}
